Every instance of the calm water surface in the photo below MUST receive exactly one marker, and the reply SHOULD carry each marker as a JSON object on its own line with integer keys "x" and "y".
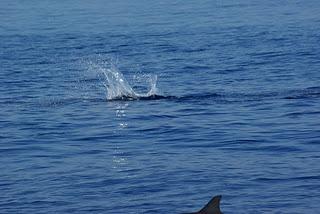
{"x": 241, "y": 114}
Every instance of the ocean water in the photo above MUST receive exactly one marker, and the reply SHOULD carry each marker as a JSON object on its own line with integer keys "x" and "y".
{"x": 156, "y": 106}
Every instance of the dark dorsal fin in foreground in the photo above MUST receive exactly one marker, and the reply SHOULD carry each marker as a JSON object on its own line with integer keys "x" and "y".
{"x": 213, "y": 206}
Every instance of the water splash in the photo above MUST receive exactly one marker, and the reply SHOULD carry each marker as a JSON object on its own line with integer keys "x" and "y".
{"x": 118, "y": 88}
{"x": 153, "y": 83}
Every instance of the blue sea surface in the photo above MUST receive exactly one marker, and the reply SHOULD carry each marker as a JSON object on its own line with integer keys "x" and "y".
{"x": 235, "y": 106}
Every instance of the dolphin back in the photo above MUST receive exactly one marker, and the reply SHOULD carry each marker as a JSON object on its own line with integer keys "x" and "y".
{"x": 212, "y": 207}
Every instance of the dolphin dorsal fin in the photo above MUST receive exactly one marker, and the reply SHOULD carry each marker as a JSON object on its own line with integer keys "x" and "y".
{"x": 213, "y": 206}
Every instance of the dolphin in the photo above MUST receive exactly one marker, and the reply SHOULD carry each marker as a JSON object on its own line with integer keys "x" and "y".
{"x": 212, "y": 207}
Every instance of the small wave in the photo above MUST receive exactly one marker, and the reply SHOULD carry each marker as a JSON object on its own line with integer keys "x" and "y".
{"x": 147, "y": 97}
{"x": 311, "y": 92}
